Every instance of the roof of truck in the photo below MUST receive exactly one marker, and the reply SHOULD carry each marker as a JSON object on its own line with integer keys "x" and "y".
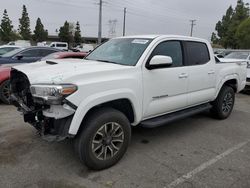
{"x": 165, "y": 36}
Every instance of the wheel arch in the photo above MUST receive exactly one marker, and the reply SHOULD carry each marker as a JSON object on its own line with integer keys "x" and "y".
{"x": 125, "y": 103}
{"x": 230, "y": 81}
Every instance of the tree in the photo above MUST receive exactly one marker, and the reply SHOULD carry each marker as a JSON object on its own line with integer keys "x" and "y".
{"x": 214, "y": 38}
{"x": 24, "y": 26}
{"x": 65, "y": 33}
{"x": 40, "y": 34}
{"x": 222, "y": 27}
{"x": 243, "y": 34}
{"x": 77, "y": 35}
{"x": 227, "y": 27}
{"x": 6, "y": 28}
{"x": 239, "y": 15}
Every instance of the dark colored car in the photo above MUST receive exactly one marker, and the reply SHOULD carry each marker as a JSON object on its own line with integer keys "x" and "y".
{"x": 26, "y": 55}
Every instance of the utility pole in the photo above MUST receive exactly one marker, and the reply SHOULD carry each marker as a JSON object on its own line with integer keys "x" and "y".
{"x": 124, "y": 20}
{"x": 192, "y": 26}
{"x": 100, "y": 23}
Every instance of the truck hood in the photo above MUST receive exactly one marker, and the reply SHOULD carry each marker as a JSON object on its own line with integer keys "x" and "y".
{"x": 59, "y": 71}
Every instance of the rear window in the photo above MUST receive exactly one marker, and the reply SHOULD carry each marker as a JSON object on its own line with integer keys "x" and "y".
{"x": 197, "y": 53}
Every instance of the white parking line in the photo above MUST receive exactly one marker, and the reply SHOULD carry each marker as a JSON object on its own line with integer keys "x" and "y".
{"x": 205, "y": 165}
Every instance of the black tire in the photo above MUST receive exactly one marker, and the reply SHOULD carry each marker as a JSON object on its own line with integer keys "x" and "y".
{"x": 224, "y": 103}
{"x": 95, "y": 125}
{"x": 5, "y": 92}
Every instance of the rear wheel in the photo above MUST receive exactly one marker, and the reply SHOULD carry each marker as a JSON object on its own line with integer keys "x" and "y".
{"x": 224, "y": 103}
{"x": 104, "y": 139}
{"x": 5, "y": 92}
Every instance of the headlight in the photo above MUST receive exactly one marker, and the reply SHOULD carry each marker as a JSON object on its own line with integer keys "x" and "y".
{"x": 248, "y": 64}
{"x": 52, "y": 94}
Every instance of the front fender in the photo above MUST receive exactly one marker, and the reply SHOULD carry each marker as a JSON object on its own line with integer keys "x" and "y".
{"x": 100, "y": 98}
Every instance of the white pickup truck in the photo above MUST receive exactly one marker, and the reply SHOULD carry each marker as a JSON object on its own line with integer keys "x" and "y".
{"x": 139, "y": 80}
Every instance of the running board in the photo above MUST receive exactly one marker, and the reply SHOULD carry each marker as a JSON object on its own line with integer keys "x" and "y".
{"x": 168, "y": 118}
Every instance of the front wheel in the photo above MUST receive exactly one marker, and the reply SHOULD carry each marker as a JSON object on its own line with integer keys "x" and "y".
{"x": 5, "y": 92}
{"x": 224, "y": 103}
{"x": 104, "y": 139}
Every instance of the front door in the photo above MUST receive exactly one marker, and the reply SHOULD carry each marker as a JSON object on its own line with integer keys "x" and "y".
{"x": 165, "y": 89}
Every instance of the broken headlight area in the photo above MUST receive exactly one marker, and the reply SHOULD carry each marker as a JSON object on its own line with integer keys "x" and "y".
{"x": 43, "y": 106}
{"x": 51, "y": 94}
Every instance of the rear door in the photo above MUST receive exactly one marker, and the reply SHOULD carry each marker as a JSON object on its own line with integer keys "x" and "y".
{"x": 201, "y": 83}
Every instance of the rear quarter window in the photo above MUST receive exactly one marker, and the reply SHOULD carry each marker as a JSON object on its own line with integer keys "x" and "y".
{"x": 197, "y": 53}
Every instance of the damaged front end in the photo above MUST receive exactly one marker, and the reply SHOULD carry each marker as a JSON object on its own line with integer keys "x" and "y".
{"x": 43, "y": 106}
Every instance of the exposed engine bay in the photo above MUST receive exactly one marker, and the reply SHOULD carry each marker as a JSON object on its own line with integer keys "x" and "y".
{"x": 33, "y": 109}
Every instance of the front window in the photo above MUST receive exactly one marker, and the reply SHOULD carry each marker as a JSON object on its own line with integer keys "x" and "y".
{"x": 123, "y": 51}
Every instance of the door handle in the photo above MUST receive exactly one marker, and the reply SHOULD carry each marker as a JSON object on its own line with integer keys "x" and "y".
{"x": 183, "y": 75}
{"x": 211, "y": 72}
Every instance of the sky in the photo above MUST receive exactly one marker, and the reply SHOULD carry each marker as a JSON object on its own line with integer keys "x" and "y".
{"x": 143, "y": 16}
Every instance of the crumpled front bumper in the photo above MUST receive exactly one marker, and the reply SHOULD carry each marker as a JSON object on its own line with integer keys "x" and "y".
{"x": 49, "y": 126}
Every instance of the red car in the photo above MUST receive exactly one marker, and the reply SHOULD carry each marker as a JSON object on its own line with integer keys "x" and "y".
{"x": 5, "y": 72}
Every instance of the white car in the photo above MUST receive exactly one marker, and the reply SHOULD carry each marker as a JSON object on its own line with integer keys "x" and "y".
{"x": 60, "y": 45}
{"x": 147, "y": 81}
{"x": 241, "y": 55}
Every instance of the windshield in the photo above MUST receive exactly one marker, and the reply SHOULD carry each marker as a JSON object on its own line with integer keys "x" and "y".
{"x": 238, "y": 55}
{"x": 10, "y": 54}
{"x": 123, "y": 51}
{"x": 5, "y": 50}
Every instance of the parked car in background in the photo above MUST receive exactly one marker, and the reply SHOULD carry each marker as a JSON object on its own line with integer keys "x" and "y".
{"x": 7, "y": 48}
{"x": 221, "y": 53}
{"x": 23, "y": 43}
{"x": 60, "y": 45}
{"x": 5, "y": 71}
{"x": 83, "y": 48}
{"x": 242, "y": 55}
{"x": 63, "y": 55}
{"x": 26, "y": 55}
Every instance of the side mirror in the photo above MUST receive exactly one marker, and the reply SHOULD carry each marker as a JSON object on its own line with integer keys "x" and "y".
{"x": 19, "y": 57}
{"x": 160, "y": 61}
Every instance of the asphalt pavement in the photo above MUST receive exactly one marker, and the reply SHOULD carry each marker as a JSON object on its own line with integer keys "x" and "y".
{"x": 196, "y": 152}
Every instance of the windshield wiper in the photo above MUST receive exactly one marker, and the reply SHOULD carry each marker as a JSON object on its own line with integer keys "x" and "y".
{"x": 105, "y": 61}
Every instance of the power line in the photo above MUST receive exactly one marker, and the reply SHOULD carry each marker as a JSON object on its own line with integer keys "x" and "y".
{"x": 192, "y": 26}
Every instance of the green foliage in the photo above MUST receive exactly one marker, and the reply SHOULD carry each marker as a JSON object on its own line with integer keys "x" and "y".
{"x": 243, "y": 34}
{"x": 40, "y": 34}
{"x": 214, "y": 38}
{"x": 77, "y": 35}
{"x": 65, "y": 33}
{"x": 24, "y": 26}
{"x": 6, "y": 28}
{"x": 227, "y": 27}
